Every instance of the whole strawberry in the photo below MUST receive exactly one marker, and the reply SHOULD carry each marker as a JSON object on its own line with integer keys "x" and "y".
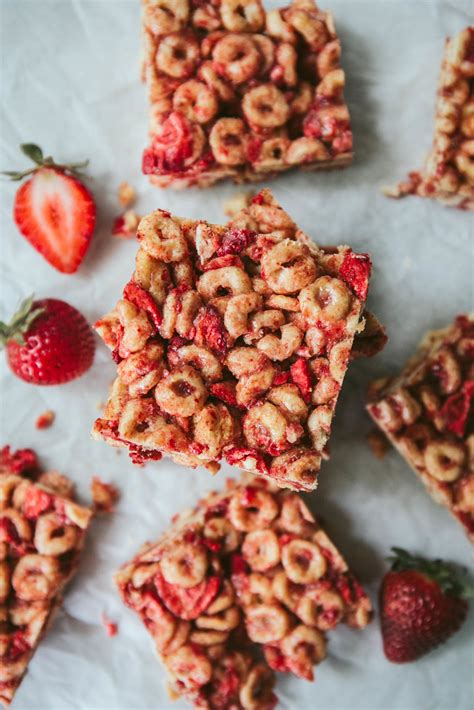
{"x": 422, "y": 604}
{"x": 48, "y": 342}
{"x": 54, "y": 210}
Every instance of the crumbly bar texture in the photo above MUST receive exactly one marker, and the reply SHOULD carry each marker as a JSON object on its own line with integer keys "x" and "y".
{"x": 237, "y": 92}
{"x": 448, "y": 175}
{"x": 244, "y": 584}
{"x": 41, "y": 536}
{"x": 232, "y": 344}
{"x": 427, "y": 414}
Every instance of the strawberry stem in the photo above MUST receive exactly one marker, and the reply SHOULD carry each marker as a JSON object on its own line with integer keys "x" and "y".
{"x": 451, "y": 578}
{"x": 20, "y": 323}
{"x": 34, "y": 153}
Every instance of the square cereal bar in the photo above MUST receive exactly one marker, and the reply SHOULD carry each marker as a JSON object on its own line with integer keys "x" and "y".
{"x": 236, "y": 92}
{"x": 232, "y": 343}
{"x": 247, "y": 571}
{"x": 427, "y": 414}
{"x": 41, "y": 536}
{"x": 448, "y": 175}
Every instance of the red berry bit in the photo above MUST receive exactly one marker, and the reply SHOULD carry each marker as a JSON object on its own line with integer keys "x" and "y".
{"x": 301, "y": 376}
{"x": 457, "y": 407}
{"x": 142, "y": 299}
{"x": 355, "y": 271}
{"x": 210, "y": 330}
{"x": 226, "y": 392}
{"x": 20, "y": 462}
{"x": 45, "y": 420}
{"x": 236, "y": 241}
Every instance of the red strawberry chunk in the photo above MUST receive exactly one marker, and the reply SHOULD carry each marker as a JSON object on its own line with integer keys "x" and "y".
{"x": 456, "y": 409}
{"x": 21, "y": 461}
{"x": 235, "y": 241}
{"x": 171, "y": 146}
{"x": 222, "y": 261}
{"x": 210, "y": 330}
{"x": 280, "y": 378}
{"x": 301, "y": 376}
{"x": 226, "y": 392}
{"x": 139, "y": 455}
{"x": 246, "y": 458}
{"x": 355, "y": 271}
{"x": 187, "y": 603}
{"x": 36, "y": 502}
{"x": 142, "y": 299}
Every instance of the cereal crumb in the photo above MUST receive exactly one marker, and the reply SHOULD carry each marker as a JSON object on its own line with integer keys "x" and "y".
{"x": 111, "y": 627}
{"x": 104, "y": 495}
{"x": 378, "y": 443}
{"x": 45, "y": 420}
{"x": 126, "y": 194}
{"x": 125, "y": 225}
{"x": 237, "y": 202}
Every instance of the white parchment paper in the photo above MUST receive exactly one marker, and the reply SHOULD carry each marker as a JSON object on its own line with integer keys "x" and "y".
{"x": 69, "y": 78}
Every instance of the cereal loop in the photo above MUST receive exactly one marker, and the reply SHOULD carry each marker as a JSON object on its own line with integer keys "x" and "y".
{"x": 252, "y": 509}
{"x": 287, "y": 267}
{"x": 303, "y": 561}
{"x": 327, "y": 299}
{"x": 261, "y": 550}
{"x": 161, "y": 237}
{"x": 265, "y": 106}
{"x": 184, "y": 564}
{"x": 181, "y": 392}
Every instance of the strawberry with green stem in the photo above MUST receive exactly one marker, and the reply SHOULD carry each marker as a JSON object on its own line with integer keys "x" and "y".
{"x": 47, "y": 342}
{"x": 53, "y": 209}
{"x": 422, "y": 604}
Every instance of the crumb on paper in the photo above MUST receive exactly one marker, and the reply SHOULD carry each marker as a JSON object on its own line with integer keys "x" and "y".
{"x": 101, "y": 405}
{"x": 111, "y": 627}
{"x": 126, "y": 194}
{"x": 378, "y": 442}
{"x": 233, "y": 205}
{"x": 172, "y": 694}
{"x": 45, "y": 420}
{"x": 125, "y": 225}
{"x": 104, "y": 495}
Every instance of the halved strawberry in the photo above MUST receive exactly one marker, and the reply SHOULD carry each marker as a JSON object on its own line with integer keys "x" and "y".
{"x": 54, "y": 211}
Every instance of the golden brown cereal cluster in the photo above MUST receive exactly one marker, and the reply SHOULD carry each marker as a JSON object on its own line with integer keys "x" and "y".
{"x": 247, "y": 568}
{"x": 448, "y": 175}
{"x": 41, "y": 535}
{"x": 236, "y": 92}
{"x": 427, "y": 413}
{"x": 232, "y": 343}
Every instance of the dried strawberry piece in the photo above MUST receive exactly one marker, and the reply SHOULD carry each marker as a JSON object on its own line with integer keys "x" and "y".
{"x": 239, "y": 456}
{"x": 142, "y": 299}
{"x": 222, "y": 261}
{"x": 238, "y": 565}
{"x": 275, "y": 659}
{"x": 171, "y": 146}
{"x": 18, "y": 646}
{"x": 456, "y": 409}
{"x": 226, "y": 392}
{"x": 187, "y": 603}
{"x": 36, "y": 502}
{"x": 212, "y": 545}
{"x": 210, "y": 330}
{"x": 280, "y": 378}
{"x": 286, "y": 538}
{"x": 342, "y": 143}
{"x": 235, "y": 241}
{"x": 355, "y": 271}
{"x": 301, "y": 376}
{"x": 254, "y": 148}
{"x": 258, "y": 199}
{"x": 21, "y": 461}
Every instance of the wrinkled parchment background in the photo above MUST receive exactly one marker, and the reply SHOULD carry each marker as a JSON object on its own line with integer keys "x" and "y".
{"x": 69, "y": 82}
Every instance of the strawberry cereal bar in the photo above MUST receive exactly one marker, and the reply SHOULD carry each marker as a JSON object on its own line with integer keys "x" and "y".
{"x": 427, "y": 414}
{"x": 41, "y": 535}
{"x": 244, "y": 584}
{"x": 232, "y": 343}
{"x": 448, "y": 175}
{"x": 238, "y": 92}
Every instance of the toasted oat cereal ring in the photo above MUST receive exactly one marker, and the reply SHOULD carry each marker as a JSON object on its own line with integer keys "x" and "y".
{"x": 303, "y": 561}
{"x": 8, "y": 485}
{"x": 312, "y": 28}
{"x": 224, "y": 600}
{"x": 298, "y": 467}
{"x": 221, "y": 529}
{"x": 227, "y": 281}
{"x": 184, "y": 564}
{"x": 242, "y": 15}
{"x": 328, "y": 58}
{"x": 326, "y": 299}
{"x": 266, "y": 623}
{"x": 252, "y": 509}
{"x": 196, "y": 101}
{"x": 200, "y": 358}
{"x": 208, "y": 637}
{"x": 225, "y": 620}
{"x": 265, "y": 106}
{"x": 295, "y": 517}
{"x": 319, "y": 426}
{"x": 303, "y": 647}
{"x": 5, "y": 579}
{"x": 306, "y": 150}
{"x": 322, "y": 608}
{"x": 264, "y": 428}
{"x": 181, "y": 392}
{"x": 287, "y": 592}
{"x": 254, "y": 589}
{"x": 261, "y": 550}
{"x": 257, "y": 689}
{"x": 243, "y": 361}
{"x": 165, "y": 16}
{"x": 251, "y": 387}
{"x": 283, "y": 347}
{"x": 302, "y": 99}
{"x": 289, "y": 400}
{"x": 53, "y": 536}
{"x": 178, "y": 55}
{"x": 271, "y": 154}
{"x": 464, "y": 160}
{"x": 228, "y": 139}
{"x": 17, "y": 521}
{"x": 213, "y": 428}
{"x": 208, "y": 74}
{"x": 190, "y": 666}
{"x": 465, "y": 495}
{"x": 262, "y": 322}
{"x": 36, "y": 577}
{"x": 266, "y": 50}
{"x": 444, "y": 459}
{"x": 279, "y": 29}
{"x": 238, "y": 58}
{"x": 162, "y": 238}
{"x": 287, "y": 267}
{"x": 236, "y": 318}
